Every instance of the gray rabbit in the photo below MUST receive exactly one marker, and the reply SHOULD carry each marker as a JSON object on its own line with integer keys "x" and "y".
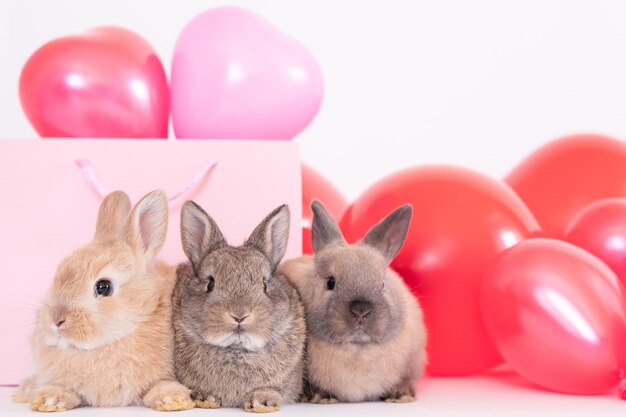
{"x": 367, "y": 337}
{"x": 239, "y": 329}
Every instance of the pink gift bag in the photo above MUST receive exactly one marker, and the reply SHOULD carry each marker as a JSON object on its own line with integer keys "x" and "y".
{"x": 51, "y": 191}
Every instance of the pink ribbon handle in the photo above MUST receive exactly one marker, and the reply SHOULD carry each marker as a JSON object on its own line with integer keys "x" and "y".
{"x": 92, "y": 178}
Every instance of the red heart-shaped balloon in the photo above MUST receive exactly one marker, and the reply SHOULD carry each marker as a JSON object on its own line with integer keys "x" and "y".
{"x": 107, "y": 82}
{"x": 462, "y": 220}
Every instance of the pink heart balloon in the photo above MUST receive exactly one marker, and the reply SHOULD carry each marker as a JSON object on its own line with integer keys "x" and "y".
{"x": 107, "y": 82}
{"x": 235, "y": 76}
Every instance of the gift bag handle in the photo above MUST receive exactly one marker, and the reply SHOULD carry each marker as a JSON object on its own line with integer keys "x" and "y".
{"x": 92, "y": 178}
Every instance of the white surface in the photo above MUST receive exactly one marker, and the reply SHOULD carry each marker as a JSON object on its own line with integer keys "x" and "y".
{"x": 501, "y": 394}
{"x": 475, "y": 83}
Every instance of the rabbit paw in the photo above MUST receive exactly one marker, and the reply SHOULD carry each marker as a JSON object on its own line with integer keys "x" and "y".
{"x": 52, "y": 399}
{"x": 168, "y": 396}
{"x": 19, "y": 397}
{"x": 175, "y": 402}
{"x": 403, "y": 394}
{"x": 315, "y": 395}
{"x": 319, "y": 398}
{"x": 25, "y": 391}
{"x": 262, "y": 401}
{"x": 401, "y": 399}
{"x": 205, "y": 401}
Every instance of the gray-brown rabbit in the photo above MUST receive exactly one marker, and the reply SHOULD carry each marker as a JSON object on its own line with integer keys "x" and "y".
{"x": 367, "y": 337}
{"x": 239, "y": 329}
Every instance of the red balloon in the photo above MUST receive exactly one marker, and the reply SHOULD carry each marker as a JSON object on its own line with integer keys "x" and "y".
{"x": 462, "y": 220}
{"x": 316, "y": 187}
{"x": 562, "y": 177}
{"x": 600, "y": 229}
{"x": 105, "y": 83}
{"x": 557, "y": 315}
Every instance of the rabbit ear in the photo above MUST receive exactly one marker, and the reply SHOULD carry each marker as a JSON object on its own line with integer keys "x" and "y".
{"x": 199, "y": 233}
{"x": 324, "y": 229}
{"x": 388, "y": 235}
{"x": 271, "y": 236}
{"x": 147, "y": 224}
{"x": 112, "y": 216}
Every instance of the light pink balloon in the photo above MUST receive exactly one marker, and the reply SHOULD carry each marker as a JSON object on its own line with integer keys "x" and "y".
{"x": 235, "y": 76}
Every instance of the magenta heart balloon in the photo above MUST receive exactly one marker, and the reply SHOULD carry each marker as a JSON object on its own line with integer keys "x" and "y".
{"x": 235, "y": 76}
{"x": 104, "y": 83}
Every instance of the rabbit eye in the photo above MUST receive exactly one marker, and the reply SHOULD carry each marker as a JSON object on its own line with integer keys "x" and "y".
{"x": 265, "y": 285}
{"x": 103, "y": 288}
{"x": 330, "y": 283}
{"x": 211, "y": 284}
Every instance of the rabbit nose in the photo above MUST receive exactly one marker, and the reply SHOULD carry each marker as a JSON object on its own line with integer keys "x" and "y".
{"x": 238, "y": 319}
{"x": 361, "y": 308}
{"x": 59, "y": 315}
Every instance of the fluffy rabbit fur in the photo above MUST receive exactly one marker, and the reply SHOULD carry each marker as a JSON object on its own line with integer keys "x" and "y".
{"x": 114, "y": 349}
{"x": 366, "y": 333}
{"x": 239, "y": 329}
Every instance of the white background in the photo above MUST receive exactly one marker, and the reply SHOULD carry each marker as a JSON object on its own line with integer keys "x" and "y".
{"x": 473, "y": 83}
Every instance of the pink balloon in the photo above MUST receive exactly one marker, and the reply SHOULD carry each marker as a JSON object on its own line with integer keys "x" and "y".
{"x": 235, "y": 76}
{"x": 557, "y": 315}
{"x": 105, "y": 83}
{"x": 600, "y": 229}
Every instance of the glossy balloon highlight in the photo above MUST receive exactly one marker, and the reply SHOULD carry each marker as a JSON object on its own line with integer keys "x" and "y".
{"x": 557, "y": 315}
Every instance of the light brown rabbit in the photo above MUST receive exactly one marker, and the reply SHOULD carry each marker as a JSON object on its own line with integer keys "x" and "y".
{"x": 103, "y": 336}
{"x": 366, "y": 332}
